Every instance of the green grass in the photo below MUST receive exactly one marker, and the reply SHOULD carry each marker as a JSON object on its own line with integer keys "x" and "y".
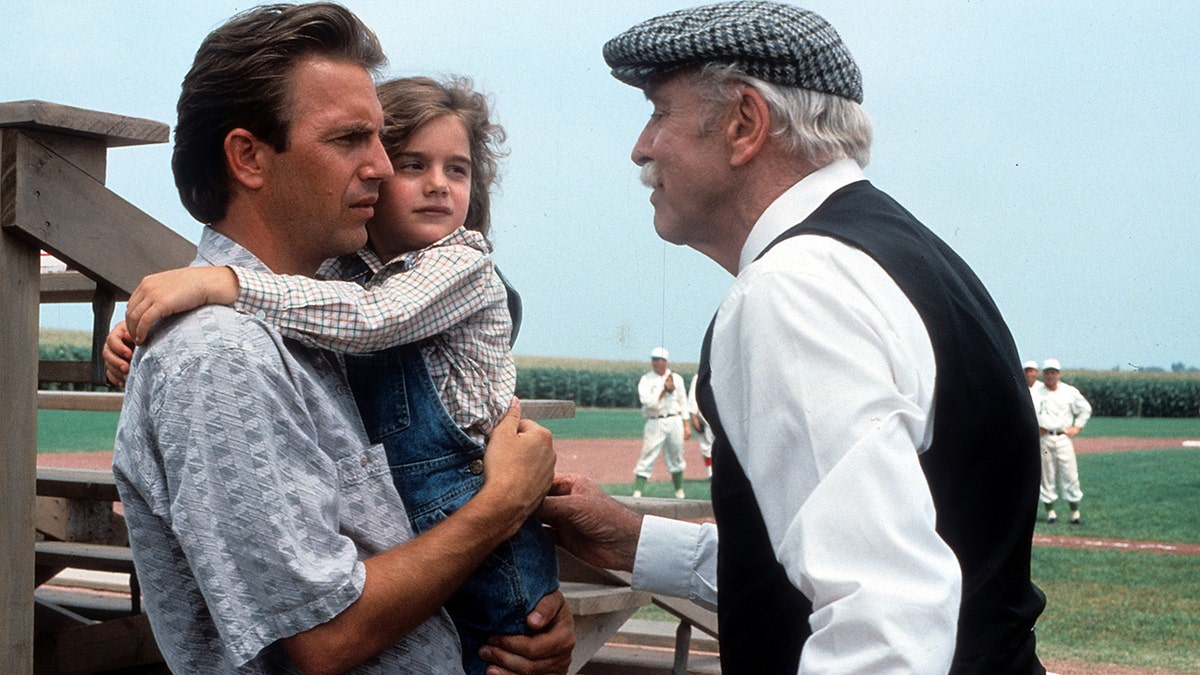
{"x": 1145, "y": 495}
{"x": 1132, "y": 609}
{"x": 75, "y": 430}
{"x": 1143, "y": 427}
{"x": 599, "y": 423}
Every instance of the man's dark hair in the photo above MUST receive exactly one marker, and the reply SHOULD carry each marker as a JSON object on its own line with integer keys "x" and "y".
{"x": 240, "y": 79}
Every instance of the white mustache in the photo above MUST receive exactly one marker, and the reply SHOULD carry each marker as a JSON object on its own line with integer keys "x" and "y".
{"x": 650, "y": 175}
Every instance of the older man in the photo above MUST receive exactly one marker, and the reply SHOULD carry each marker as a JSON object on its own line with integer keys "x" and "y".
{"x": 265, "y": 527}
{"x": 875, "y": 463}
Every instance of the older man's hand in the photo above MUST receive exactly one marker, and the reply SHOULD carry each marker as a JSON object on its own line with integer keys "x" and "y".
{"x": 590, "y": 524}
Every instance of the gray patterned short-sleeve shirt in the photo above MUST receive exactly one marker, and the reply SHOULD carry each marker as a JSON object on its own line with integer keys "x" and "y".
{"x": 252, "y": 493}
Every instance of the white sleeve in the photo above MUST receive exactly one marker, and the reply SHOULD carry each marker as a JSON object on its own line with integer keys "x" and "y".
{"x": 827, "y": 373}
{"x": 1080, "y": 409}
{"x": 677, "y": 558}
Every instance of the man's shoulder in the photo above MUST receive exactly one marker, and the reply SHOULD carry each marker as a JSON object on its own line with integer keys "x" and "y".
{"x": 212, "y": 328}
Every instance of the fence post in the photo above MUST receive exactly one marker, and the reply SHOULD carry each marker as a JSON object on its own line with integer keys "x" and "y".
{"x": 20, "y": 272}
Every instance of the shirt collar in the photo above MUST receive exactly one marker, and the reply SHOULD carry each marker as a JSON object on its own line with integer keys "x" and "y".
{"x": 796, "y": 204}
{"x": 216, "y": 249}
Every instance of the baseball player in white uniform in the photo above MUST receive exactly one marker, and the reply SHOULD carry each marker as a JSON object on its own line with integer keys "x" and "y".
{"x": 1061, "y": 411}
{"x": 664, "y": 404}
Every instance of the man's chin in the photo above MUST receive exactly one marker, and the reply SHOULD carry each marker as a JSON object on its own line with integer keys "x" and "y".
{"x": 672, "y": 233}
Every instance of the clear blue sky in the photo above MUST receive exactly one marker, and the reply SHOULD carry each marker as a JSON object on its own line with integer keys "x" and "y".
{"x": 1053, "y": 145}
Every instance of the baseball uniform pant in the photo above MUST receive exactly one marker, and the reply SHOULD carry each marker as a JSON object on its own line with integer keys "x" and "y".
{"x": 663, "y": 435}
{"x": 1059, "y": 468}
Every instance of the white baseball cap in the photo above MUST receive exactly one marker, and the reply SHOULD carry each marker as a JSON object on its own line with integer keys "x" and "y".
{"x": 1051, "y": 364}
{"x": 659, "y": 353}
{"x": 1030, "y": 364}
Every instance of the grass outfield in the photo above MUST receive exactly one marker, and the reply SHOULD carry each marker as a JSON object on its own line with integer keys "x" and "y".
{"x": 1133, "y": 609}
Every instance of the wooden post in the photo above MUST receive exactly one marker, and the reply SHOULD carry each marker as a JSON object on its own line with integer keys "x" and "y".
{"x": 19, "y": 290}
{"x": 52, "y": 197}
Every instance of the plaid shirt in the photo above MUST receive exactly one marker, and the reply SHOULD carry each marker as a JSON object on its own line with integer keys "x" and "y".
{"x": 447, "y": 296}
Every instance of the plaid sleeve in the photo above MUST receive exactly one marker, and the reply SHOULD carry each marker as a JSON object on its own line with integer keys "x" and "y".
{"x": 440, "y": 290}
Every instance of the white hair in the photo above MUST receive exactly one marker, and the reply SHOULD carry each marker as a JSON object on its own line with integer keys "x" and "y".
{"x": 819, "y": 127}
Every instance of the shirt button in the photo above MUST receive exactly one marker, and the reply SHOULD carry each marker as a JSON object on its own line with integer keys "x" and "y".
{"x": 363, "y": 460}
{"x": 476, "y": 466}
{"x": 260, "y": 315}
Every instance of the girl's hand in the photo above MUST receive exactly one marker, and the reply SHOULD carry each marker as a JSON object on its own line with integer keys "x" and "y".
{"x": 161, "y": 295}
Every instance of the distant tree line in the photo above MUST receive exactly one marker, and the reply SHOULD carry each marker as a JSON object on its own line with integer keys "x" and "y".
{"x": 1145, "y": 393}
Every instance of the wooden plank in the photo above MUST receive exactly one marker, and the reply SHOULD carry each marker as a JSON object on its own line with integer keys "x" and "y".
{"x": 72, "y": 215}
{"x": 547, "y": 409}
{"x": 81, "y": 484}
{"x": 591, "y": 632}
{"x": 64, "y": 554}
{"x": 662, "y": 634}
{"x": 105, "y": 401}
{"x": 80, "y": 520}
{"x": 19, "y": 272}
{"x": 587, "y": 599}
{"x": 113, "y": 130}
{"x": 88, "y": 605}
{"x": 59, "y": 287}
{"x": 679, "y": 509}
{"x": 65, "y": 371}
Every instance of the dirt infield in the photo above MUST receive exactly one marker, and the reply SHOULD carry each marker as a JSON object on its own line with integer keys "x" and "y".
{"x": 612, "y": 460}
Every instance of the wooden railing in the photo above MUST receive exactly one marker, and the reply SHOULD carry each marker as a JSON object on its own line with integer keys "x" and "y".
{"x": 53, "y": 161}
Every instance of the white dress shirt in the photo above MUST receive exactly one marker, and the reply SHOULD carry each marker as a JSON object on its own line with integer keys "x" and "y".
{"x": 824, "y": 376}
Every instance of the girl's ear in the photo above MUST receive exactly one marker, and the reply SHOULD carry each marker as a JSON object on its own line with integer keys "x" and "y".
{"x": 748, "y": 126}
{"x": 247, "y": 157}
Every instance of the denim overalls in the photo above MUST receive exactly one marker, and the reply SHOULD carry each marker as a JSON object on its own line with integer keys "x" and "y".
{"x": 437, "y": 468}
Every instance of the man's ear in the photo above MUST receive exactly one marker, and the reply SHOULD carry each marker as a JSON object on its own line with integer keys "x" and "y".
{"x": 246, "y": 157}
{"x": 748, "y": 126}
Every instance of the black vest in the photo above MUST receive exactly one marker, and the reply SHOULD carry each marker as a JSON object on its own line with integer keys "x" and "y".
{"x": 982, "y": 464}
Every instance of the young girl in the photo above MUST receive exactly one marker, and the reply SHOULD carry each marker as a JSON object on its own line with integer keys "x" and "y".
{"x": 423, "y": 316}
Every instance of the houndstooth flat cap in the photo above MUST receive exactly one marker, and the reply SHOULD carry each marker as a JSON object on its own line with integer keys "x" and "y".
{"x": 778, "y": 43}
